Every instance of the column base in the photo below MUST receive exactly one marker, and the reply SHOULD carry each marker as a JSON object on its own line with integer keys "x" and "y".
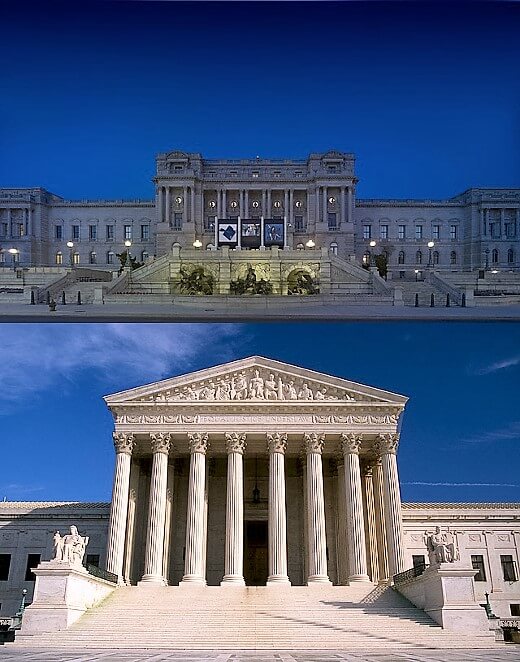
{"x": 358, "y": 578}
{"x": 152, "y": 579}
{"x": 278, "y": 580}
{"x": 318, "y": 579}
{"x": 192, "y": 580}
{"x": 232, "y": 580}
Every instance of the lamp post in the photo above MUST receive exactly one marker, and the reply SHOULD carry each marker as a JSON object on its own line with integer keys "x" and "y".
{"x": 310, "y": 244}
{"x": 197, "y": 243}
{"x": 431, "y": 244}
{"x": 70, "y": 246}
{"x": 14, "y": 252}
{"x": 416, "y": 271}
{"x": 372, "y": 257}
{"x": 128, "y": 243}
{"x": 487, "y": 258}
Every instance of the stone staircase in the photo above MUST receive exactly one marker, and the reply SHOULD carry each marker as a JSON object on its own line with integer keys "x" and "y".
{"x": 424, "y": 289}
{"x": 254, "y": 618}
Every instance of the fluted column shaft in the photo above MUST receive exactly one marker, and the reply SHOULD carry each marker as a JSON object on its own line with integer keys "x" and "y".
{"x": 342, "y": 543}
{"x": 379, "y": 507}
{"x": 354, "y": 507}
{"x": 153, "y": 560}
{"x": 386, "y": 446}
{"x": 124, "y": 444}
{"x": 194, "y": 570}
{"x": 277, "y": 525}
{"x": 234, "y": 553}
{"x": 316, "y": 538}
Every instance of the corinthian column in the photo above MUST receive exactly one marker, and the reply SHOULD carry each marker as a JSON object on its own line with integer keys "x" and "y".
{"x": 194, "y": 570}
{"x": 386, "y": 447}
{"x": 276, "y": 446}
{"x": 124, "y": 444}
{"x": 234, "y": 561}
{"x": 153, "y": 563}
{"x": 316, "y": 539}
{"x": 350, "y": 444}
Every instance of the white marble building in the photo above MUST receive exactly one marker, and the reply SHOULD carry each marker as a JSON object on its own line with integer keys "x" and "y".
{"x": 316, "y": 196}
{"x": 258, "y": 472}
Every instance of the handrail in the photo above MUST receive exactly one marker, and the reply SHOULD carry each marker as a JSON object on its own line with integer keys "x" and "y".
{"x": 416, "y": 571}
{"x": 102, "y": 574}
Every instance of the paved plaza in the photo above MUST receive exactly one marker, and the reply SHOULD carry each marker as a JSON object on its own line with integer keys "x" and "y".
{"x": 503, "y": 653}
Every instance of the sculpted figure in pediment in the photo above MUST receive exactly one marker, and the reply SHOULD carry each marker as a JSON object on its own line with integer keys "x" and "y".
{"x": 291, "y": 391}
{"x": 256, "y": 387}
{"x": 305, "y": 393}
{"x": 271, "y": 388}
{"x": 240, "y": 389}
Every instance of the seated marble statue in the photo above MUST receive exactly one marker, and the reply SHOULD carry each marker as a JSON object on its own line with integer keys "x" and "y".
{"x": 71, "y": 547}
{"x": 441, "y": 547}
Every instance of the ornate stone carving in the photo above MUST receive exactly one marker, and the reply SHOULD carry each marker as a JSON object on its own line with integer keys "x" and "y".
{"x": 253, "y": 384}
{"x": 161, "y": 442}
{"x": 161, "y": 419}
{"x": 350, "y": 419}
{"x": 198, "y": 442}
{"x": 235, "y": 442}
{"x": 386, "y": 444}
{"x": 70, "y": 548}
{"x": 123, "y": 442}
{"x": 276, "y": 442}
{"x": 350, "y": 442}
{"x": 313, "y": 442}
{"x": 441, "y": 546}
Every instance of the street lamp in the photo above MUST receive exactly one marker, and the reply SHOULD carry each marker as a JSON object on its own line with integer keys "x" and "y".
{"x": 310, "y": 244}
{"x": 70, "y": 246}
{"x": 128, "y": 243}
{"x": 14, "y": 252}
{"x": 487, "y": 258}
{"x": 417, "y": 272}
{"x": 372, "y": 258}
{"x": 431, "y": 244}
{"x": 197, "y": 243}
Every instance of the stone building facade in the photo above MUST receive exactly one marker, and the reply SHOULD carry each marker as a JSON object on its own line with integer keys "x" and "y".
{"x": 258, "y": 472}
{"x": 315, "y": 197}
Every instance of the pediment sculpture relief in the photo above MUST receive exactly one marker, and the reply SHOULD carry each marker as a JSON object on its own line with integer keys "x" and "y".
{"x": 252, "y": 384}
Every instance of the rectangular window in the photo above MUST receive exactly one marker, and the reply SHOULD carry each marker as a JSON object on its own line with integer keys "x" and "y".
{"x": 298, "y": 173}
{"x": 453, "y": 231}
{"x": 75, "y": 232}
{"x": 209, "y": 223}
{"x": 32, "y": 561}
{"x": 92, "y": 232}
{"x": 299, "y": 225}
{"x": 384, "y": 232}
{"x": 127, "y": 231}
{"x": 4, "y": 229}
{"x": 477, "y": 563}
{"x": 21, "y": 229}
{"x": 145, "y": 232}
{"x": 402, "y": 232}
{"x": 255, "y": 174}
{"x": 110, "y": 233}
{"x": 331, "y": 220}
{"x": 277, "y": 174}
{"x": 418, "y": 231}
{"x": 367, "y": 232}
{"x": 58, "y": 232}
{"x": 436, "y": 232}
{"x": 332, "y": 168}
{"x": 92, "y": 559}
{"x": 110, "y": 257}
{"x": 514, "y": 609}
{"x": 5, "y": 564}
{"x": 418, "y": 560}
{"x": 508, "y": 568}
{"x": 177, "y": 220}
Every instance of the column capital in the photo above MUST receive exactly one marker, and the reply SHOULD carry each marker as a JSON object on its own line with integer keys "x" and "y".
{"x": 198, "y": 442}
{"x": 277, "y": 442}
{"x": 123, "y": 442}
{"x": 235, "y": 442}
{"x": 313, "y": 442}
{"x": 386, "y": 444}
{"x": 161, "y": 442}
{"x": 350, "y": 443}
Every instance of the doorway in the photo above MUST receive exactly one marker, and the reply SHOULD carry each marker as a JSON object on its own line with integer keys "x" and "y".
{"x": 255, "y": 556}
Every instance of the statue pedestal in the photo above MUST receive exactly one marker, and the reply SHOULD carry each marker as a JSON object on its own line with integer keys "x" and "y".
{"x": 63, "y": 592}
{"x": 446, "y": 593}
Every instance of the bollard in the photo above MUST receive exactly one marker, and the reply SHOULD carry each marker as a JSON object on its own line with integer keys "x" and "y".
{"x": 432, "y": 300}
{"x": 416, "y": 304}
{"x": 48, "y": 297}
{"x": 79, "y": 297}
{"x": 463, "y": 303}
{"x": 63, "y": 301}
{"x": 448, "y": 300}
{"x": 33, "y": 301}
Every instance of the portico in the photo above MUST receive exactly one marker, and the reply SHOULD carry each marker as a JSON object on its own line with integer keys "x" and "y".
{"x": 255, "y": 472}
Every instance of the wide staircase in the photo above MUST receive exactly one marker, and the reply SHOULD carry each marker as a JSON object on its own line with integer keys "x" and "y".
{"x": 424, "y": 289}
{"x": 344, "y": 617}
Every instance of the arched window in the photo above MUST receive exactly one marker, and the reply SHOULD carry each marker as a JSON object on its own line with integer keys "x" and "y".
{"x": 510, "y": 256}
{"x": 494, "y": 256}
{"x": 418, "y": 257}
{"x": 110, "y": 257}
{"x": 75, "y": 258}
{"x": 333, "y": 248}
{"x": 300, "y": 247}
{"x": 400, "y": 257}
{"x": 59, "y": 257}
{"x": 366, "y": 257}
{"x": 453, "y": 257}
{"x": 435, "y": 257}
{"x": 92, "y": 258}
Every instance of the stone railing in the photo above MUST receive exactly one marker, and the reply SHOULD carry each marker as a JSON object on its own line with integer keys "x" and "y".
{"x": 446, "y": 287}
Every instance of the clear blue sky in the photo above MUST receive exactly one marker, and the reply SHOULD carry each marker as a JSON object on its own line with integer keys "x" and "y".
{"x": 426, "y": 94}
{"x": 461, "y": 430}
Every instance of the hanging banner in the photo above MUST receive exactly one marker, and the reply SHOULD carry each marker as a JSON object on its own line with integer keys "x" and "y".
{"x": 251, "y": 233}
{"x": 227, "y": 233}
{"x": 273, "y": 232}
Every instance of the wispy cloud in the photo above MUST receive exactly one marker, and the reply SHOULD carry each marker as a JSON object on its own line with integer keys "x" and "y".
{"x": 510, "y": 432}
{"x": 16, "y": 490}
{"x": 502, "y": 364}
{"x": 37, "y": 357}
{"x": 427, "y": 484}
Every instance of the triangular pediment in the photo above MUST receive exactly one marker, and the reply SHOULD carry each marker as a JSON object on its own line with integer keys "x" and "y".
{"x": 252, "y": 380}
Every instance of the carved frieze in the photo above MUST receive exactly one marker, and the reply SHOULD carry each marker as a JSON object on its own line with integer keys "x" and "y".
{"x": 354, "y": 419}
{"x": 123, "y": 442}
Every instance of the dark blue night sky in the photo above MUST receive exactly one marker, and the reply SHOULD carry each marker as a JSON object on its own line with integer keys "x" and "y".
{"x": 426, "y": 94}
